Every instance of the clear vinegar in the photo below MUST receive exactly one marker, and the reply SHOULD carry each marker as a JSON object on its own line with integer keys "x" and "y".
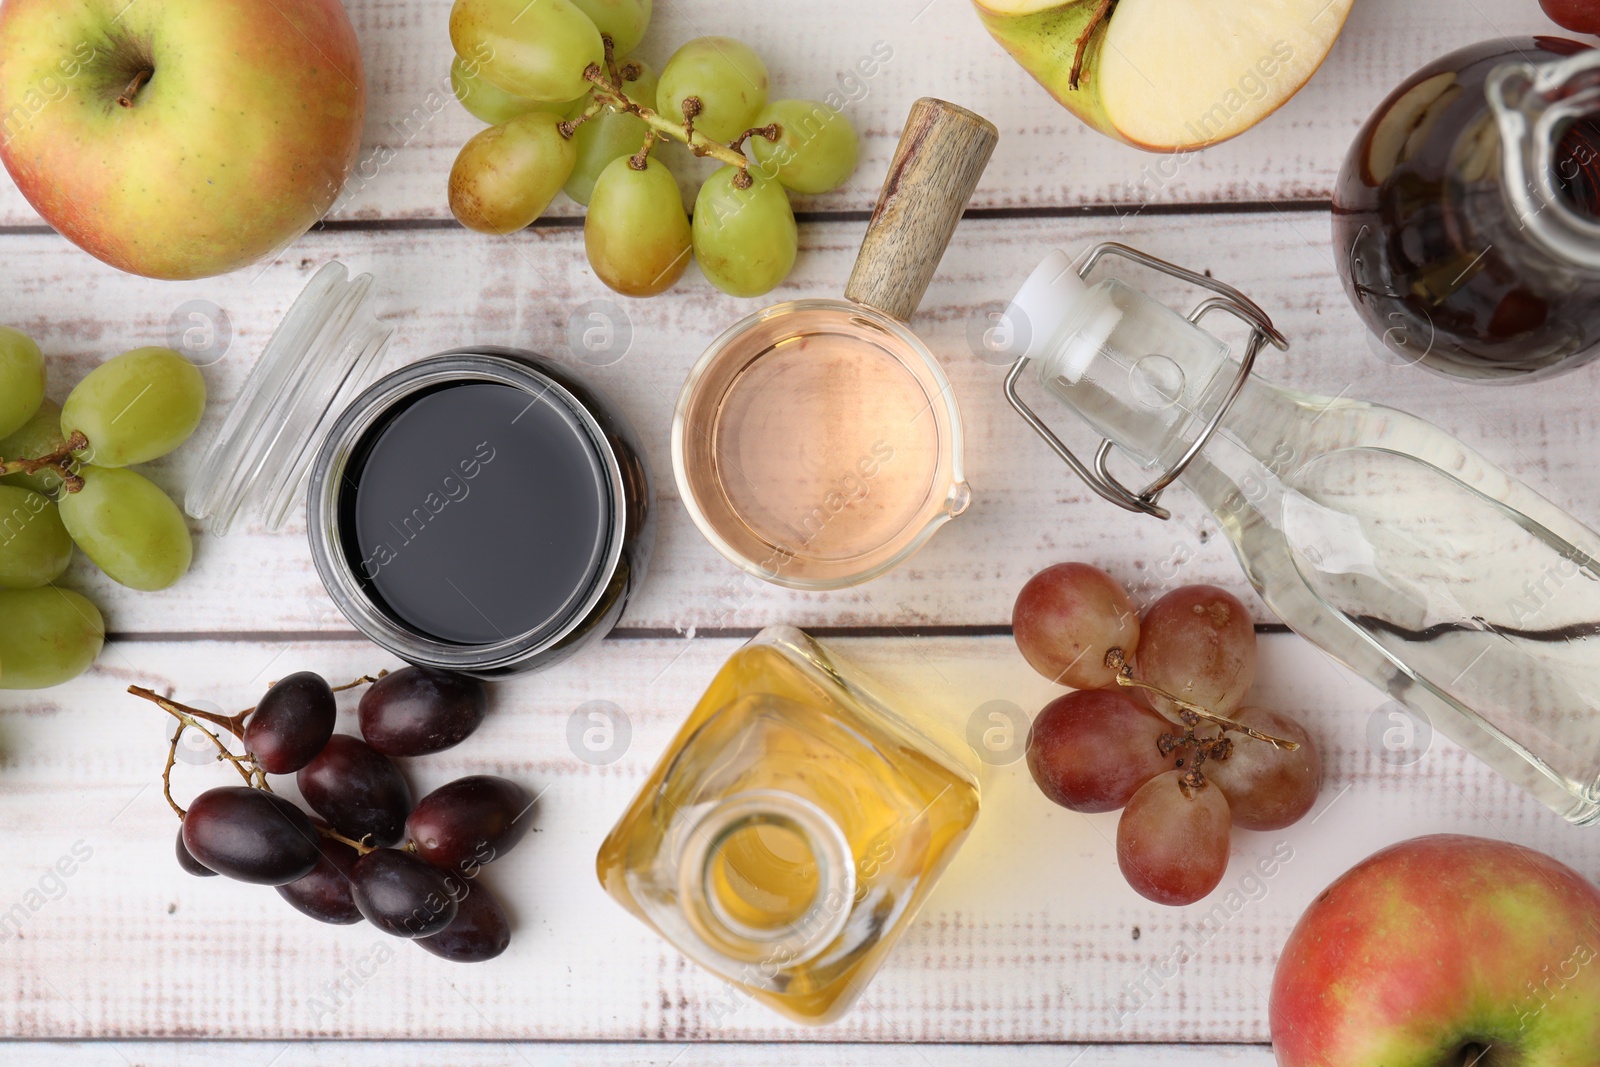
{"x": 792, "y": 829}
{"x": 1450, "y": 585}
{"x": 1453, "y": 586}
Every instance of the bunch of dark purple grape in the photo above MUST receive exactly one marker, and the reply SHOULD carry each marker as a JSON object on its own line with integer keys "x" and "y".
{"x": 410, "y": 870}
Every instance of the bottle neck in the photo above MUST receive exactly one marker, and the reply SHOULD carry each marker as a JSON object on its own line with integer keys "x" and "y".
{"x": 766, "y": 878}
{"x": 1548, "y": 115}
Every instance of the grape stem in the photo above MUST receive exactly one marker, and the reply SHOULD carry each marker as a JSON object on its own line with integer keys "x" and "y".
{"x": 640, "y": 160}
{"x": 365, "y": 679}
{"x": 246, "y": 766}
{"x": 570, "y": 126}
{"x": 189, "y": 718}
{"x": 1125, "y": 678}
{"x": 608, "y": 91}
{"x": 360, "y": 846}
{"x": 234, "y": 724}
{"x": 60, "y": 461}
{"x": 166, "y": 772}
{"x": 771, "y": 131}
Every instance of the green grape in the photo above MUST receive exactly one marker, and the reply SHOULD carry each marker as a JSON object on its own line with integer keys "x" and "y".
{"x": 637, "y": 233}
{"x": 39, "y": 436}
{"x": 624, "y": 20}
{"x": 536, "y": 49}
{"x": 129, "y": 527}
{"x": 745, "y": 239}
{"x": 47, "y": 636}
{"x": 21, "y": 379}
{"x": 817, "y": 150}
{"x": 136, "y": 407}
{"x": 726, "y": 75}
{"x": 507, "y": 175}
{"x": 488, "y": 102}
{"x": 34, "y": 547}
{"x": 608, "y": 134}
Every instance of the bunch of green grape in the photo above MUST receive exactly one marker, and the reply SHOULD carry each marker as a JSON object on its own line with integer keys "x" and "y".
{"x": 570, "y": 112}
{"x": 65, "y": 484}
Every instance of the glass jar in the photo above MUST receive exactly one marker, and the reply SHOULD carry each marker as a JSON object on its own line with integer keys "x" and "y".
{"x": 817, "y": 444}
{"x": 484, "y": 510}
{"x": 794, "y": 826}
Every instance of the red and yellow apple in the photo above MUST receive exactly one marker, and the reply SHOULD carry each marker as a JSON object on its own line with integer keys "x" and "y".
{"x": 1168, "y": 75}
{"x": 1444, "y": 951}
{"x": 1579, "y": 16}
{"x": 179, "y": 138}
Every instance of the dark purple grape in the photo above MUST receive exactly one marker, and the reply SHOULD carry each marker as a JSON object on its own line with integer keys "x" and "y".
{"x": 292, "y": 723}
{"x": 417, "y": 711}
{"x": 358, "y": 790}
{"x": 324, "y": 894}
{"x": 189, "y": 863}
{"x": 479, "y": 931}
{"x": 469, "y": 822}
{"x": 251, "y": 835}
{"x": 403, "y": 896}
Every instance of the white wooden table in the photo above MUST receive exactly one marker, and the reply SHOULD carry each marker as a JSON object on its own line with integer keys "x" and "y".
{"x": 1032, "y": 946}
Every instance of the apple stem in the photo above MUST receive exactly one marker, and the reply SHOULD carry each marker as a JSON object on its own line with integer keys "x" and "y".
{"x": 59, "y": 461}
{"x": 138, "y": 82}
{"x": 1101, "y": 13}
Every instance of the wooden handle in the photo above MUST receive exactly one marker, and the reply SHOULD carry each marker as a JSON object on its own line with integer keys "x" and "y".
{"x": 941, "y": 156}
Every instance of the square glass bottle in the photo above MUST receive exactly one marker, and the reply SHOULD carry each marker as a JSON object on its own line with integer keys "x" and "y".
{"x": 792, "y": 829}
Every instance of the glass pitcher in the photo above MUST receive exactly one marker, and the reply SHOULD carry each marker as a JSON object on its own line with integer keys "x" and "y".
{"x": 1466, "y": 219}
{"x": 793, "y": 828}
{"x": 1446, "y": 582}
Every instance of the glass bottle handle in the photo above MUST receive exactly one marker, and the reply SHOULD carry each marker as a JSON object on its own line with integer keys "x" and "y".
{"x": 1533, "y": 105}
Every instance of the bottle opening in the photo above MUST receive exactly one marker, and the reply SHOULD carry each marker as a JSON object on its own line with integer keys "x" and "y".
{"x": 1575, "y": 166}
{"x": 766, "y": 878}
{"x": 763, "y": 879}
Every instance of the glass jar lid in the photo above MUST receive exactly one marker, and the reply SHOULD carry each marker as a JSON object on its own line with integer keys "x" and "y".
{"x": 317, "y": 361}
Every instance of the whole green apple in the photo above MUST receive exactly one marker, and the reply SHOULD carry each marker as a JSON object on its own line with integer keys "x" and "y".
{"x": 179, "y": 138}
{"x": 1443, "y": 951}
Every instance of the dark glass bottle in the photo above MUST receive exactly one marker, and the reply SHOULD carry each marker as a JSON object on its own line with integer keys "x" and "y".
{"x": 1466, "y": 218}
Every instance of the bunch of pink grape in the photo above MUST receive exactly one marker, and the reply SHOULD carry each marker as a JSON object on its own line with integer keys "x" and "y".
{"x": 1181, "y": 780}
{"x": 409, "y": 869}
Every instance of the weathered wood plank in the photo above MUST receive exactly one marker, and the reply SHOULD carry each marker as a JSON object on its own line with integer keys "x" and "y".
{"x": 447, "y": 288}
{"x": 1046, "y": 157}
{"x": 1032, "y": 936}
{"x": 599, "y": 1054}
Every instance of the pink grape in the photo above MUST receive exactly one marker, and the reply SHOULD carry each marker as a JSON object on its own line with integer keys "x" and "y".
{"x": 1092, "y": 749}
{"x": 1172, "y": 840}
{"x": 1068, "y": 617}
{"x": 1198, "y": 643}
{"x": 1267, "y": 788}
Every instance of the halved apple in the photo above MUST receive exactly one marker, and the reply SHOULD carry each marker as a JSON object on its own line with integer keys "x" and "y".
{"x": 1168, "y": 75}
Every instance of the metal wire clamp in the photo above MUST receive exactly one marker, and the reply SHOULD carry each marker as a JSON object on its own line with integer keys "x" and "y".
{"x": 1229, "y": 299}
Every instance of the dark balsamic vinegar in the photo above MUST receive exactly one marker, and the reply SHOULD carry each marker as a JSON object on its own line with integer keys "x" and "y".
{"x": 1431, "y": 252}
{"x": 480, "y": 512}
